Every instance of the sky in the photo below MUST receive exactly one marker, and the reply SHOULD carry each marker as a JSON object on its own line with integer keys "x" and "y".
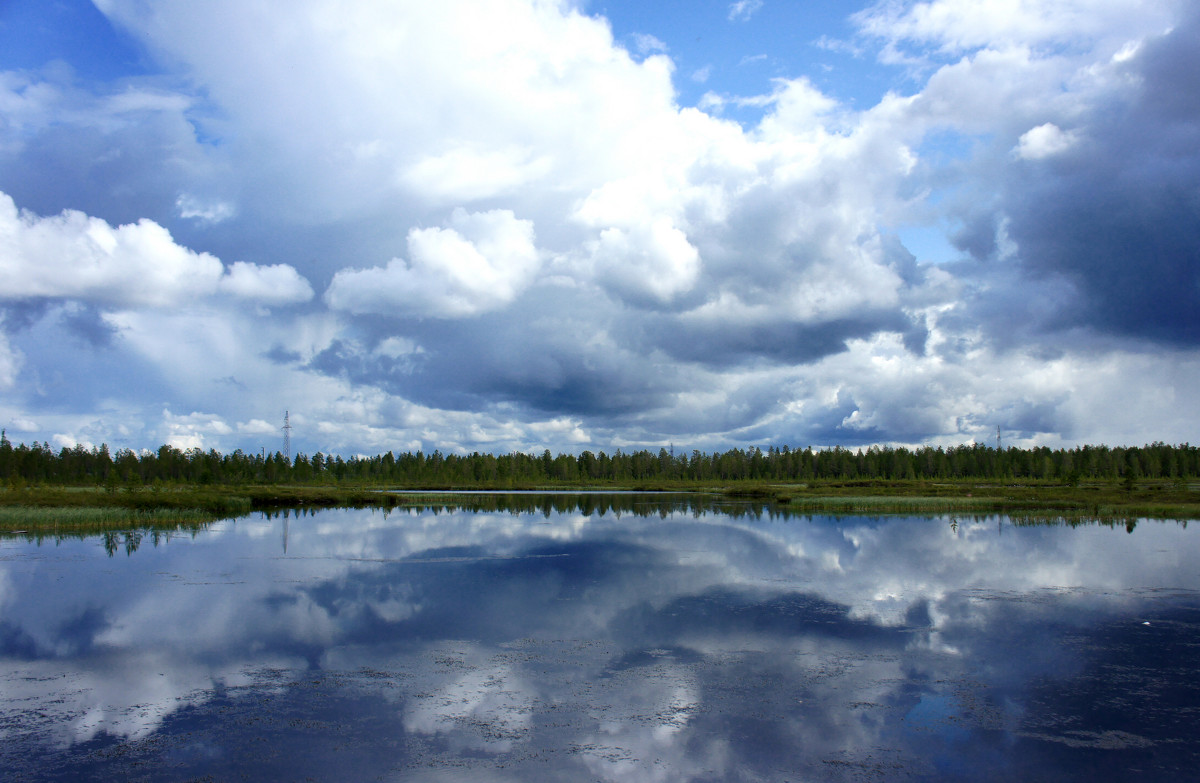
{"x": 510, "y": 225}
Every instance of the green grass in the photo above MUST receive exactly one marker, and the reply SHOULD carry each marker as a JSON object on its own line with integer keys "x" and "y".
{"x": 20, "y": 518}
{"x": 93, "y": 508}
{"x": 1155, "y": 500}
{"x": 44, "y": 509}
{"x": 120, "y": 528}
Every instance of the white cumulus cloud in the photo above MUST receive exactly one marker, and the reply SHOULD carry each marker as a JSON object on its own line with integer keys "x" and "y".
{"x": 74, "y": 256}
{"x": 1044, "y": 141}
{"x": 479, "y": 262}
{"x": 274, "y": 284}
{"x": 652, "y": 263}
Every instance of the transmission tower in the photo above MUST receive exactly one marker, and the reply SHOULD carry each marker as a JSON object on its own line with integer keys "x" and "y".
{"x": 287, "y": 437}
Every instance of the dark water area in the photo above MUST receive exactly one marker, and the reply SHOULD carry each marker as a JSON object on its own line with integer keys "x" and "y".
{"x": 594, "y": 639}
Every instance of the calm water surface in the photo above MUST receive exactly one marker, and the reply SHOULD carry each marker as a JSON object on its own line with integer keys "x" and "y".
{"x": 593, "y": 639}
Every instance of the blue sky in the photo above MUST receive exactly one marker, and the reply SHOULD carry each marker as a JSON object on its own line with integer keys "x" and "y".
{"x": 736, "y": 51}
{"x": 511, "y": 224}
{"x": 71, "y": 31}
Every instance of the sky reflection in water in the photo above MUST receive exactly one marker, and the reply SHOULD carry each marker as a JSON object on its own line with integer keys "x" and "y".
{"x": 572, "y": 645}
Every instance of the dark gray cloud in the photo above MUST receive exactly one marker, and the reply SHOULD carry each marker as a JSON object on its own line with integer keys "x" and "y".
{"x": 1117, "y": 215}
{"x": 281, "y": 355}
{"x": 722, "y": 345}
{"x": 827, "y": 426}
{"x": 544, "y": 365}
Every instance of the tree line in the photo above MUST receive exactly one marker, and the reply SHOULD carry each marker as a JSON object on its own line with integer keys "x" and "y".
{"x": 40, "y": 464}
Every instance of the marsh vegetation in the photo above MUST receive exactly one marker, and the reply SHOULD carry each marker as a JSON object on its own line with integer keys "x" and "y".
{"x": 42, "y": 489}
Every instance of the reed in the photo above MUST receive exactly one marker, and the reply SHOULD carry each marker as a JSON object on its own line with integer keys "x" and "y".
{"x": 891, "y": 504}
{"x": 20, "y": 519}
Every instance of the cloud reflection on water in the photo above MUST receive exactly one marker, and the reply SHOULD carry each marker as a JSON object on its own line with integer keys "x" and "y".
{"x": 566, "y": 644}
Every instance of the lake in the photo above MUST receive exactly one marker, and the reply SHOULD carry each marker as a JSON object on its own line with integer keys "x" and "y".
{"x": 605, "y": 637}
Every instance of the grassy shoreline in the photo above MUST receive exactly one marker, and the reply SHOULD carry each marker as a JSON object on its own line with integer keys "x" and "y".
{"x": 45, "y": 508}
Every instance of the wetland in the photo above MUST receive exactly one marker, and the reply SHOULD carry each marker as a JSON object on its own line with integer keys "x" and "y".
{"x": 629, "y": 636}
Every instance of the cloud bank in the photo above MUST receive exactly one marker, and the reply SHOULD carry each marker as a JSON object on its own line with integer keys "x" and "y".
{"x": 492, "y": 227}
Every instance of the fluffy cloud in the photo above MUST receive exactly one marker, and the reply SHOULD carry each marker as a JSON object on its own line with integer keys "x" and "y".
{"x": 275, "y": 284}
{"x": 508, "y": 93}
{"x": 79, "y": 257}
{"x": 651, "y": 263}
{"x": 478, "y": 263}
{"x": 1043, "y": 141}
{"x": 73, "y": 255}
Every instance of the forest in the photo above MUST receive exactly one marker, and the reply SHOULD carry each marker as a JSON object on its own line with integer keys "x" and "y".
{"x": 39, "y": 464}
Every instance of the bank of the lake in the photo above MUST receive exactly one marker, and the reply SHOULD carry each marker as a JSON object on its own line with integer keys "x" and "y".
{"x": 45, "y": 508}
